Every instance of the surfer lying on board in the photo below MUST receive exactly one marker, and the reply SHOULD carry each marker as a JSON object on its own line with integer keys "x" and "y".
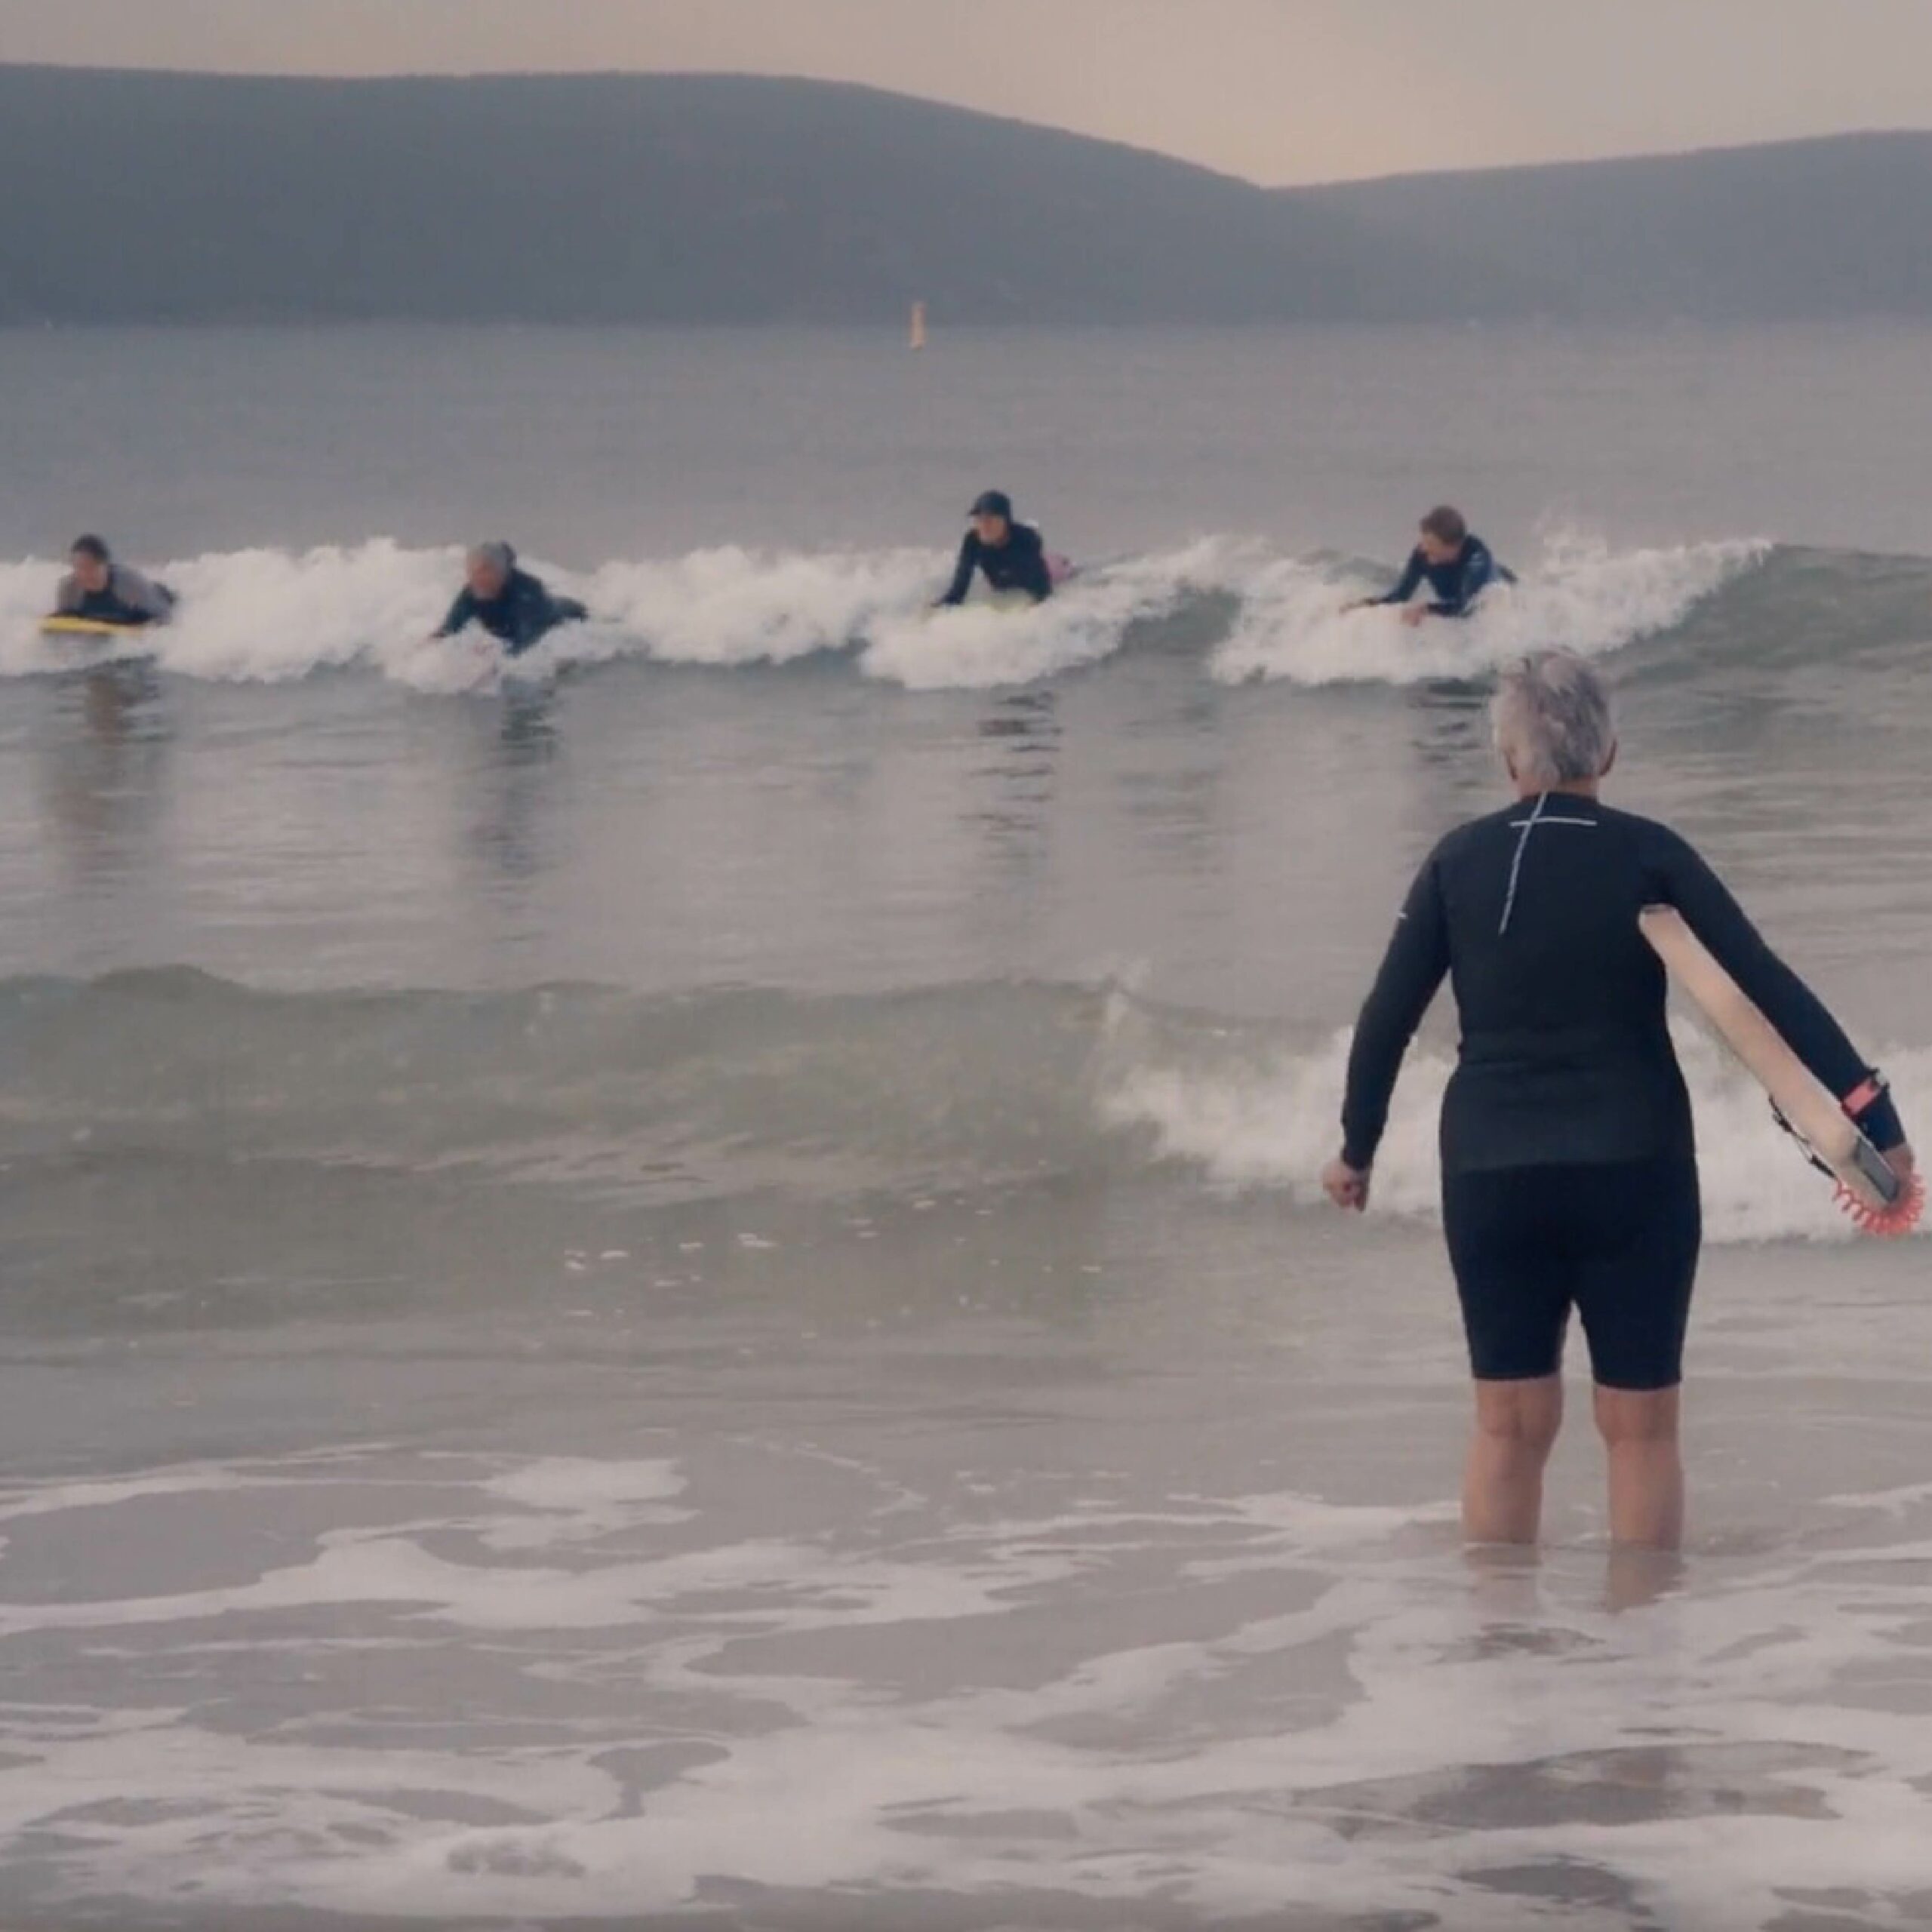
{"x": 1569, "y": 1165}
{"x": 103, "y": 591}
{"x": 1458, "y": 566}
{"x": 1012, "y": 555}
{"x": 511, "y": 604}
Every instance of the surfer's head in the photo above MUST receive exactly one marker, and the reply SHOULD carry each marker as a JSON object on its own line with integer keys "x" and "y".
{"x": 486, "y": 570}
{"x": 993, "y": 518}
{"x": 1445, "y": 531}
{"x": 1554, "y": 723}
{"x": 93, "y": 564}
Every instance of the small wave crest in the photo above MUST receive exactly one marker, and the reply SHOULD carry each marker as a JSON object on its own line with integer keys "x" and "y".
{"x": 723, "y": 1094}
{"x": 276, "y": 616}
{"x": 1250, "y": 1117}
{"x": 1579, "y": 595}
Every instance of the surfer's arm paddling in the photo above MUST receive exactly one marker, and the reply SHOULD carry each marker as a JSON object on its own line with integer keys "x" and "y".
{"x": 462, "y": 613}
{"x": 962, "y": 575}
{"x": 1405, "y": 586}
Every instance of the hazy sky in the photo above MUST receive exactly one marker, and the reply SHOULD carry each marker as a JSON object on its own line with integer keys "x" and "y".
{"x": 1278, "y": 89}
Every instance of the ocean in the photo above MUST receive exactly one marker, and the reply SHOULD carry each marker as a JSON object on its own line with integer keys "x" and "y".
{"x": 687, "y": 1288}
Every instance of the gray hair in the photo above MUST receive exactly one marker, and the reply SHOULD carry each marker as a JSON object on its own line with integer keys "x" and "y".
{"x": 1553, "y": 719}
{"x": 498, "y": 556}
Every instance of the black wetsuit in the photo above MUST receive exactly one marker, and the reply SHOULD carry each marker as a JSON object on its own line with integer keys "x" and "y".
{"x": 129, "y": 598}
{"x": 1019, "y": 564}
{"x": 1457, "y": 584}
{"x": 1569, "y": 1162}
{"x": 520, "y": 615}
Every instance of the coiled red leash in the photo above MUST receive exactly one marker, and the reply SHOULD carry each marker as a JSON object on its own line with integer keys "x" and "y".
{"x": 1894, "y": 1206}
{"x": 1886, "y": 1206}
{"x": 1890, "y": 1223}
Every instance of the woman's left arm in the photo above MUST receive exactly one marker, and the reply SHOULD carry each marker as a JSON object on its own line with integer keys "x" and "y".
{"x": 1802, "y": 1019}
{"x": 1412, "y": 969}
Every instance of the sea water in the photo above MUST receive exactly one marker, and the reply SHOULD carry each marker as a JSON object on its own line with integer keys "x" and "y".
{"x": 690, "y": 1287}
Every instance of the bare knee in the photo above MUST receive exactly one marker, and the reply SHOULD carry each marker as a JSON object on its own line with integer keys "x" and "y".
{"x": 1631, "y": 1417}
{"x": 1520, "y": 1418}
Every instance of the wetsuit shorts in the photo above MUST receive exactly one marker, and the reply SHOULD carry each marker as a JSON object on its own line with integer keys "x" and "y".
{"x": 1618, "y": 1240}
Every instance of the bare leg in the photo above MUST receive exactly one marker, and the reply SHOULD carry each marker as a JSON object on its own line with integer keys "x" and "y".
{"x": 1635, "y": 1577}
{"x": 1639, "y": 1429}
{"x": 1516, "y": 1425}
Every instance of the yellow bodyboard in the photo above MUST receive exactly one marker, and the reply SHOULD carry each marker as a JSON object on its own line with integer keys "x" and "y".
{"x": 86, "y": 627}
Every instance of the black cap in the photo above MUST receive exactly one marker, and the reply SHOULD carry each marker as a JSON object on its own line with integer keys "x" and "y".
{"x": 992, "y": 502}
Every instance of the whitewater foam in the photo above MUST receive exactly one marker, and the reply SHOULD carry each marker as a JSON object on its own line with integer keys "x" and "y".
{"x": 1084, "y": 1691}
{"x": 273, "y": 615}
{"x": 732, "y": 606}
{"x": 704, "y": 1096}
{"x": 1271, "y": 1121}
{"x": 1579, "y": 595}
{"x": 979, "y": 646}
{"x": 277, "y": 615}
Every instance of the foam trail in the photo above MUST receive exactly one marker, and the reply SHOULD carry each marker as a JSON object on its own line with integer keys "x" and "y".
{"x": 1272, "y": 1123}
{"x": 732, "y": 607}
{"x": 692, "y": 1095}
{"x": 273, "y": 615}
{"x": 981, "y": 645}
{"x": 276, "y": 616}
{"x": 1581, "y": 595}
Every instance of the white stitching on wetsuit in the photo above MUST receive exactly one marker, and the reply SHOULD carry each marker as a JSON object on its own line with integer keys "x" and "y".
{"x": 1526, "y": 826}
{"x": 1529, "y": 825}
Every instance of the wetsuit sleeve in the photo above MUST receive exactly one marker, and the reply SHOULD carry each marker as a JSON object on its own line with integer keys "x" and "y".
{"x": 1034, "y": 577}
{"x": 1412, "y": 969}
{"x": 962, "y": 575}
{"x": 67, "y": 598}
{"x": 570, "y": 611}
{"x": 1682, "y": 879}
{"x": 1413, "y": 574}
{"x": 462, "y": 614}
{"x": 142, "y": 597}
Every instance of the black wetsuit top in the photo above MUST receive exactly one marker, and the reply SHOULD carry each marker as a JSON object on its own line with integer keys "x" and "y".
{"x": 1565, "y": 1055}
{"x": 521, "y": 614}
{"x": 1457, "y": 584}
{"x": 127, "y": 598}
{"x": 1019, "y": 564}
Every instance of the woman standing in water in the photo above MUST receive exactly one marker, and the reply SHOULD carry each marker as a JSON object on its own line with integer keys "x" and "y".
{"x": 1569, "y": 1174}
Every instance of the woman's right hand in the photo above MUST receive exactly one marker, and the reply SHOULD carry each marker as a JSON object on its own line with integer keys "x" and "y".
{"x": 1346, "y": 1186}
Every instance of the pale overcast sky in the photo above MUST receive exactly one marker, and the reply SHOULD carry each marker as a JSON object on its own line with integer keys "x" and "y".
{"x": 1280, "y": 91}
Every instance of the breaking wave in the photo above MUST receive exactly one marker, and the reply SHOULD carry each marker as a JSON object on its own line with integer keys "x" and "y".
{"x": 722, "y": 1093}
{"x": 1248, "y": 609}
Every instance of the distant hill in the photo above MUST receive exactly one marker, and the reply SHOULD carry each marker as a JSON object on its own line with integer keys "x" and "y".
{"x": 1793, "y": 231}
{"x": 682, "y": 198}
{"x": 659, "y": 198}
